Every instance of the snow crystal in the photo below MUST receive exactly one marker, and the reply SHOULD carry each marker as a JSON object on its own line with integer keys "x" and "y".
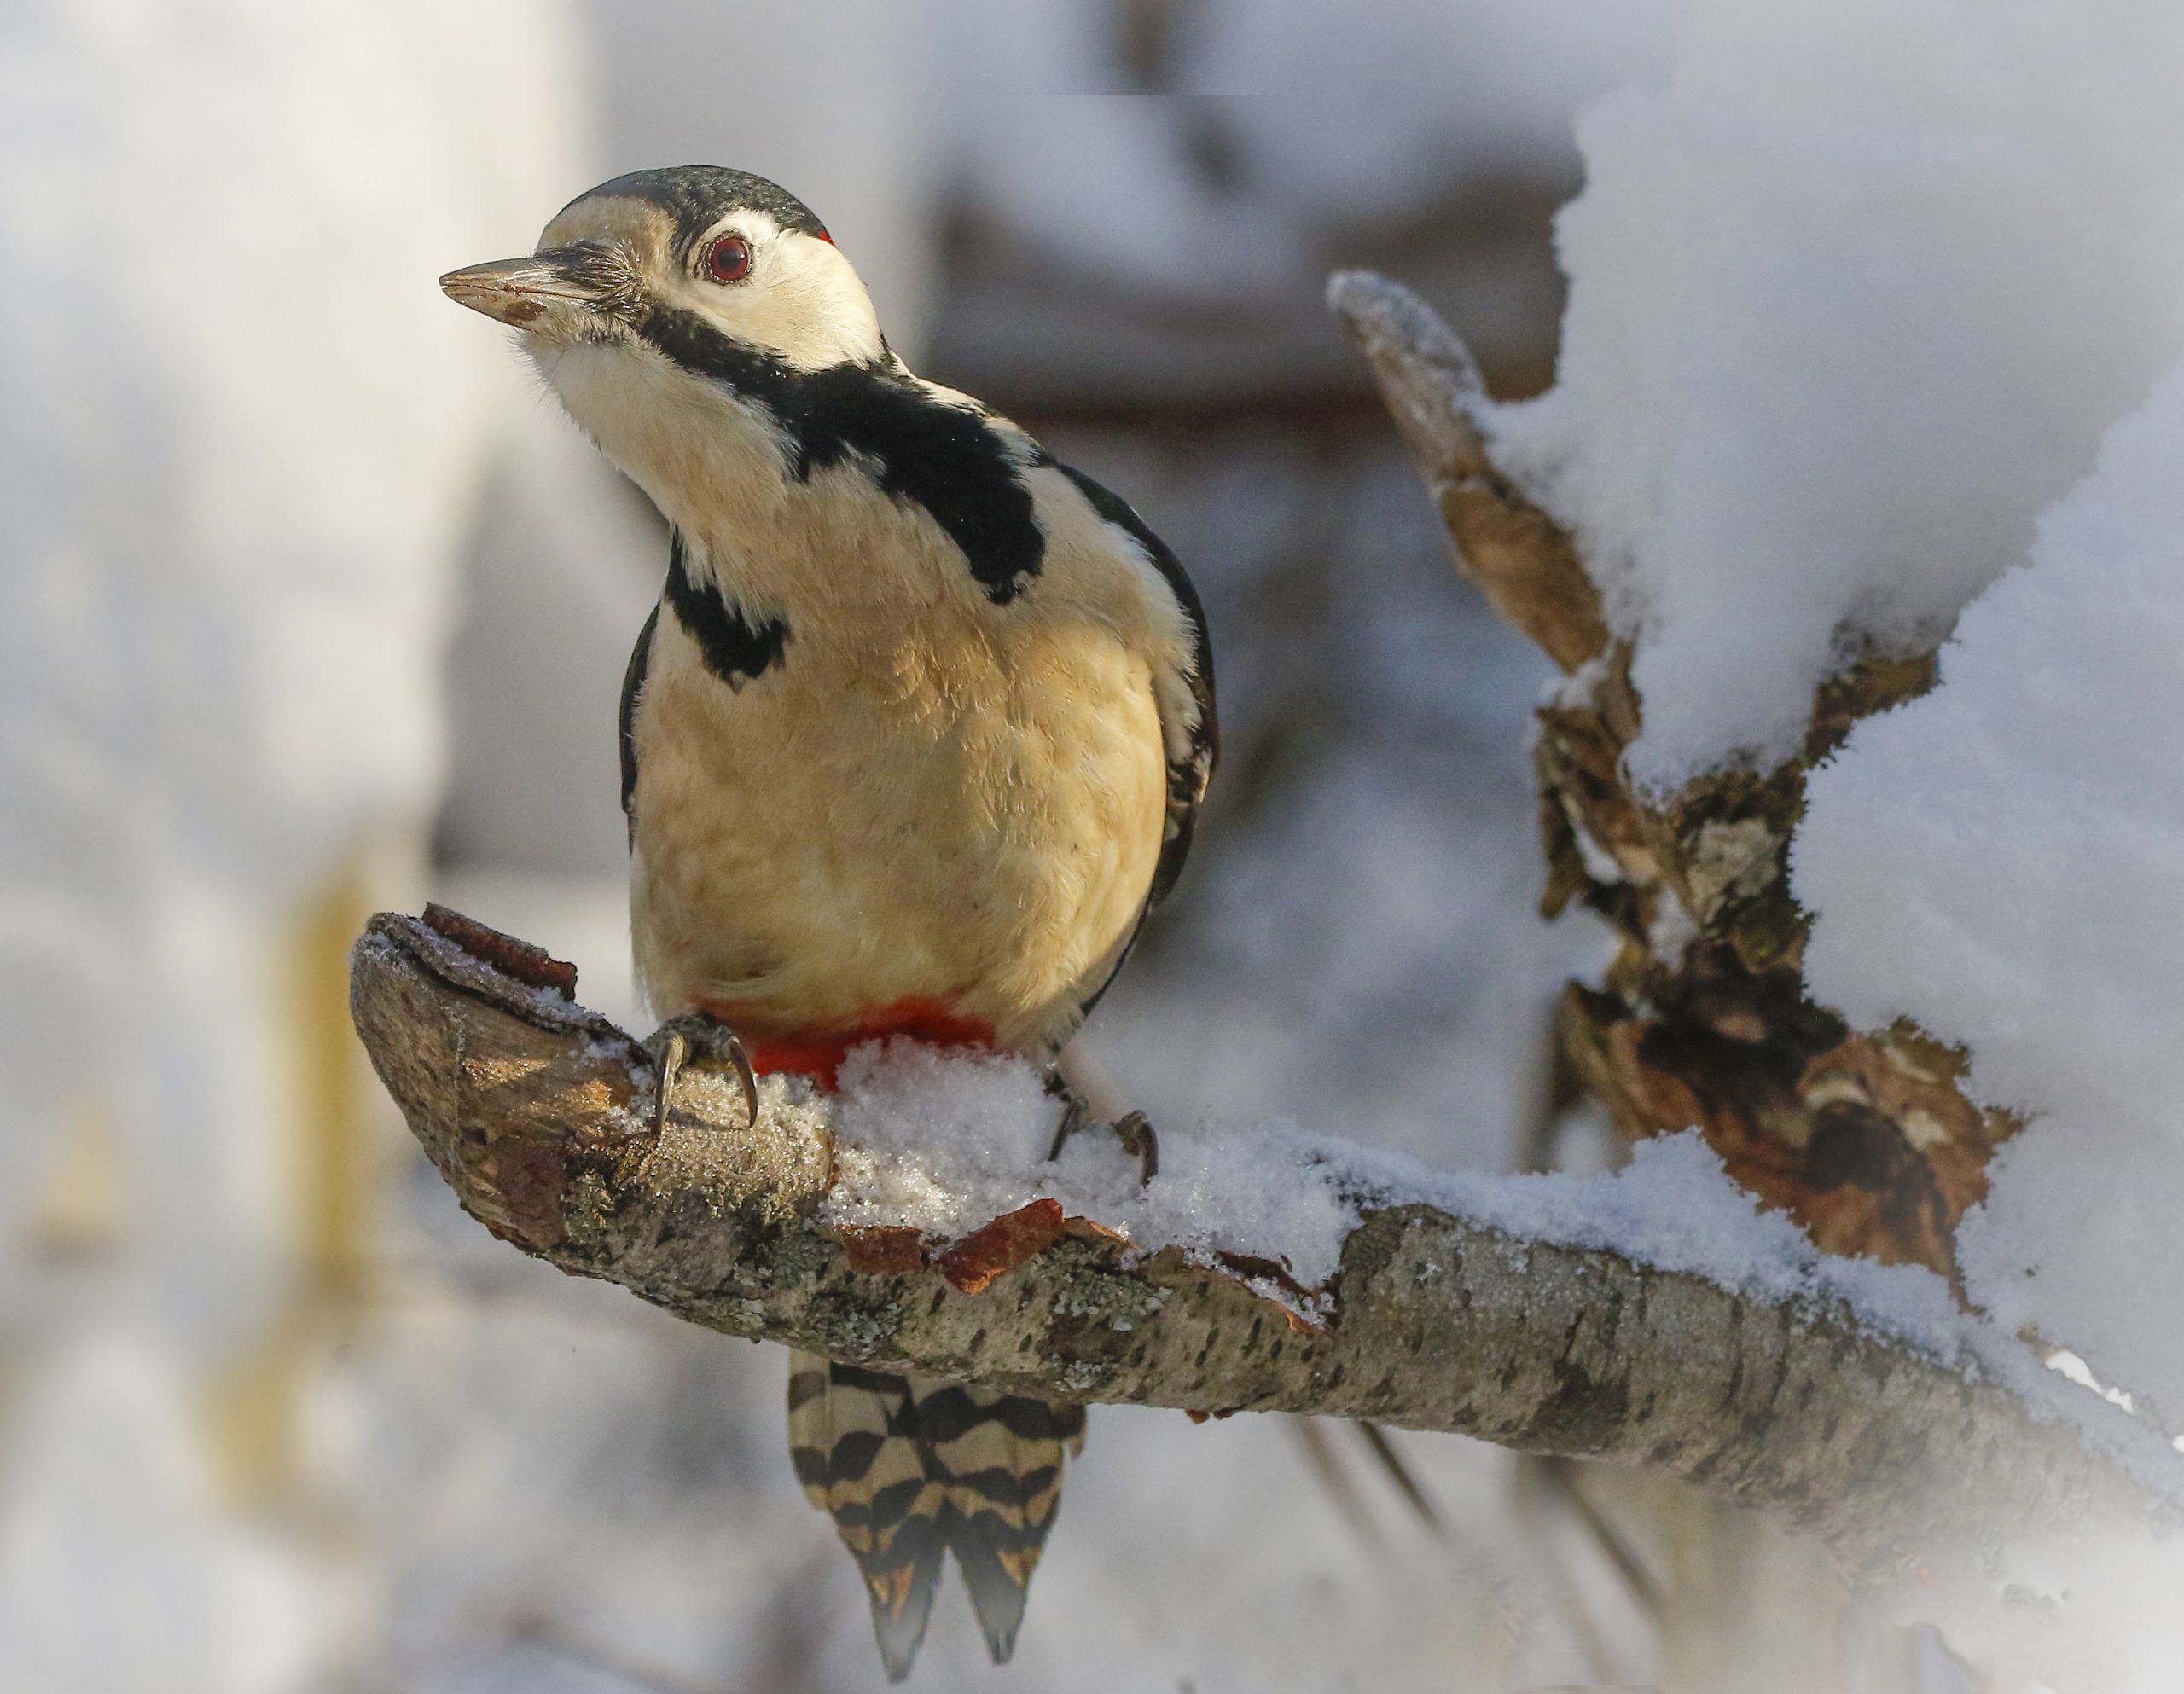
{"x": 1853, "y": 298}
{"x": 2000, "y": 859}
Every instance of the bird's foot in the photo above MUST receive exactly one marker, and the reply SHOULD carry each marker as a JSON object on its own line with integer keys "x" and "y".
{"x": 704, "y": 1041}
{"x": 1134, "y": 1129}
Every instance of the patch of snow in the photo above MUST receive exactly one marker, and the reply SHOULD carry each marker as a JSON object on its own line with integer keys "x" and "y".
{"x": 1578, "y": 690}
{"x": 242, "y": 435}
{"x": 117, "y": 1570}
{"x": 240, "y": 438}
{"x": 2001, "y": 860}
{"x": 948, "y": 1141}
{"x": 1673, "y": 1208}
{"x": 2068, "y": 1366}
{"x": 1853, "y": 298}
{"x": 2091, "y": 1609}
{"x": 945, "y": 1141}
{"x": 1676, "y": 1209}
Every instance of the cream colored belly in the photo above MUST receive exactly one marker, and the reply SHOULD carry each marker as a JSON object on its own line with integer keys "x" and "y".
{"x": 843, "y": 835}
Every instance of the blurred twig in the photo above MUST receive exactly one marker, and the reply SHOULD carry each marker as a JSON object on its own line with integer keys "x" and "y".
{"x": 1399, "y": 1472}
{"x": 1558, "y": 1478}
{"x": 1339, "y": 1486}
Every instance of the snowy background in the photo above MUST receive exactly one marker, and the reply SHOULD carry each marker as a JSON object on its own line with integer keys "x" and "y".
{"x": 313, "y": 605}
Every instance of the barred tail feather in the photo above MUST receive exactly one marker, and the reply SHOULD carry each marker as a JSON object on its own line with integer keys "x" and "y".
{"x": 852, "y": 1437}
{"x": 1000, "y": 1457}
{"x": 907, "y": 1466}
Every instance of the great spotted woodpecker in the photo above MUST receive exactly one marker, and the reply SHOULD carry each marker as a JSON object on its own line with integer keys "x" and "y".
{"x": 914, "y": 739}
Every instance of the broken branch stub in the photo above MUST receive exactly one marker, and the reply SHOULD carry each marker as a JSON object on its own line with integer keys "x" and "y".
{"x": 1864, "y": 1137}
{"x": 539, "y": 1114}
{"x": 1522, "y": 560}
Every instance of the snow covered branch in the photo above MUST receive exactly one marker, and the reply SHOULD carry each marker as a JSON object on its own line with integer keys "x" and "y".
{"x": 1865, "y": 1138}
{"x": 1523, "y": 562}
{"x": 1451, "y": 1308}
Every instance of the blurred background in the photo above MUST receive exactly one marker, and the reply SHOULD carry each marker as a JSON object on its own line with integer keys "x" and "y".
{"x": 312, "y": 604}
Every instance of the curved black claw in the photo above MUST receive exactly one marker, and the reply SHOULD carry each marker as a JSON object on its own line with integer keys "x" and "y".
{"x": 703, "y": 1039}
{"x": 1134, "y": 1129}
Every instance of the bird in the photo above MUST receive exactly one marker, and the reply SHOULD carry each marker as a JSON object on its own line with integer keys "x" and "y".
{"x": 913, "y": 741}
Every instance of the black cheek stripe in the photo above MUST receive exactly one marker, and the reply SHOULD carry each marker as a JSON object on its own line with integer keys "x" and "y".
{"x": 874, "y": 418}
{"x": 734, "y": 648}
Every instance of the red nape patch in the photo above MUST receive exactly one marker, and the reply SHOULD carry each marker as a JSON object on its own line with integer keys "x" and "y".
{"x": 818, "y": 1053}
{"x": 825, "y": 237}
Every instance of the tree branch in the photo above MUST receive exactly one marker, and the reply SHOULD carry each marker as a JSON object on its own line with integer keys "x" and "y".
{"x": 539, "y": 1114}
{"x": 1523, "y": 561}
{"x": 1863, "y": 1137}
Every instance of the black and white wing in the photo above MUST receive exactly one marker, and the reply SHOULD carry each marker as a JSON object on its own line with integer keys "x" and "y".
{"x": 1183, "y": 680}
{"x": 633, "y": 684}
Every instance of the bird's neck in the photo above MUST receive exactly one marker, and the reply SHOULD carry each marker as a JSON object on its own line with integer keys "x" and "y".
{"x": 779, "y": 523}
{"x": 706, "y": 456}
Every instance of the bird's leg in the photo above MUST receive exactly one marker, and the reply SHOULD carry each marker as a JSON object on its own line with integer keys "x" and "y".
{"x": 1076, "y": 1110}
{"x": 698, "y": 1038}
{"x": 1134, "y": 1129}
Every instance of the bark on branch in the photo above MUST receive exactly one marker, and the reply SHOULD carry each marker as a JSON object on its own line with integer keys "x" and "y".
{"x": 539, "y": 1114}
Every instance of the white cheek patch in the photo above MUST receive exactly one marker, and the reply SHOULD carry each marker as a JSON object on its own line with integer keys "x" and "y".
{"x": 803, "y": 301}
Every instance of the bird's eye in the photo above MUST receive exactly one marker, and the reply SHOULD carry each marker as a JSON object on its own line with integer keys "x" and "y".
{"x": 728, "y": 259}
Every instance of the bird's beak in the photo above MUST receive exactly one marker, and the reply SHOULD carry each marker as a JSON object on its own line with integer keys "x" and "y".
{"x": 524, "y": 291}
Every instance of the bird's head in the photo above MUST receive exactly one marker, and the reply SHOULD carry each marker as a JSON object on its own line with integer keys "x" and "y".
{"x": 693, "y": 278}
